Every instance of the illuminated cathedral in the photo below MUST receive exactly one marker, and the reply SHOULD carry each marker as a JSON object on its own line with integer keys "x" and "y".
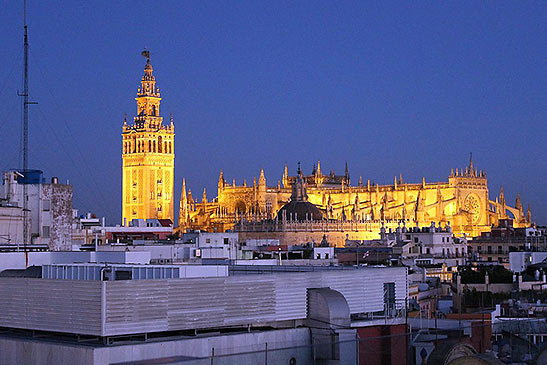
{"x": 331, "y": 203}
{"x": 462, "y": 202}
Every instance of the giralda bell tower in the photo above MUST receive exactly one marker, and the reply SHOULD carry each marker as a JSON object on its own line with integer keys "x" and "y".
{"x": 148, "y": 156}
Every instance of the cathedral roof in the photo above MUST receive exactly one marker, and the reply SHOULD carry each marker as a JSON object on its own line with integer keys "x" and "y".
{"x": 299, "y": 208}
{"x": 299, "y": 211}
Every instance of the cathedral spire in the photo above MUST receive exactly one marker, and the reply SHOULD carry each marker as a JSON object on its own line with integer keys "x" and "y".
{"x": 285, "y": 178}
{"x": 502, "y": 196}
{"x": 221, "y": 181}
{"x": 262, "y": 178}
{"x": 183, "y": 207}
{"x": 347, "y": 174}
{"x": 518, "y": 203}
{"x": 471, "y": 169}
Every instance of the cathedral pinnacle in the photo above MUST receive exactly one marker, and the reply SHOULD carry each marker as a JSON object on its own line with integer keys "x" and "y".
{"x": 262, "y": 178}
{"x": 471, "y": 163}
{"x": 221, "y": 180}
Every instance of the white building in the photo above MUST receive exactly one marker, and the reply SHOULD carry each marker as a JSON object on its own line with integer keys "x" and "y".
{"x": 50, "y": 210}
{"x": 217, "y": 245}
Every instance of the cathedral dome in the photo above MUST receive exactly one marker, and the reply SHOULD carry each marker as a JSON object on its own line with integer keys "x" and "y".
{"x": 299, "y": 208}
{"x": 299, "y": 211}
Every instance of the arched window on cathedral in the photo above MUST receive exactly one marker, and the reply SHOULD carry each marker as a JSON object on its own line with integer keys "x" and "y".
{"x": 125, "y": 147}
{"x": 154, "y": 110}
{"x": 159, "y": 144}
{"x": 165, "y": 147}
{"x": 134, "y": 144}
{"x": 149, "y": 146}
{"x": 170, "y": 150}
{"x": 154, "y": 146}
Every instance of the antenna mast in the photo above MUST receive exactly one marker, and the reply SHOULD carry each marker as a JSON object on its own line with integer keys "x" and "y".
{"x": 26, "y": 102}
{"x": 26, "y": 232}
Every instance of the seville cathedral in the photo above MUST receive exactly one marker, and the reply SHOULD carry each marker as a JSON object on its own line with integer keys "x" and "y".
{"x": 346, "y": 211}
{"x": 317, "y": 205}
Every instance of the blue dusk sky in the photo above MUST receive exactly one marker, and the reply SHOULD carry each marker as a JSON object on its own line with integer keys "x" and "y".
{"x": 391, "y": 87}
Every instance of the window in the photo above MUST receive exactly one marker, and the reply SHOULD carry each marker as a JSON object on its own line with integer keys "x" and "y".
{"x": 489, "y": 259}
{"x": 46, "y": 205}
{"x": 428, "y": 251}
{"x": 226, "y": 241}
{"x": 389, "y": 295}
{"x": 416, "y": 239}
{"x": 318, "y": 256}
{"x": 208, "y": 240}
{"x": 326, "y": 256}
{"x": 489, "y": 249}
{"x": 45, "y": 231}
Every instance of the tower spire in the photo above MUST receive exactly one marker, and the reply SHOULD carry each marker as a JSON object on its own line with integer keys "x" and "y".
{"x": 471, "y": 169}
{"x": 221, "y": 181}
{"x": 183, "y": 208}
{"x": 285, "y": 178}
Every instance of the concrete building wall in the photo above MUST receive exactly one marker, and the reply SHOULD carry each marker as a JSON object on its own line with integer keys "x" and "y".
{"x": 17, "y": 260}
{"x": 282, "y": 346}
{"x": 11, "y": 225}
{"x": 59, "y": 216}
{"x": 50, "y": 208}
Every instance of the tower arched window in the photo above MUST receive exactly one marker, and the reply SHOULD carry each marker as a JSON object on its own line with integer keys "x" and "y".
{"x": 134, "y": 144}
{"x": 154, "y": 110}
{"x": 149, "y": 146}
{"x": 165, "y": 147}
{"x": 154, "y": 146}
{"x": 170, "y": 150}
{"x": 159, "y": 144}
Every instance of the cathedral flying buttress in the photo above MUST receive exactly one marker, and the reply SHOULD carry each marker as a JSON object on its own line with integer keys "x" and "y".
{"x": 462, "y": 202}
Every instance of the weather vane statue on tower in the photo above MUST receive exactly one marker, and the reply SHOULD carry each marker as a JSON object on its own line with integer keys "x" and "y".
{"x": 146, "y": 53}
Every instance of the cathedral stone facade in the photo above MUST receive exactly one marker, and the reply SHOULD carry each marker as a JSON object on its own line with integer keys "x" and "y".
{"x": 148, "y": 156}
{"x": 354, "y": 211}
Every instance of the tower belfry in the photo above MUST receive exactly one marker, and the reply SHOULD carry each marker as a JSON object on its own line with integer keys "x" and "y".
{"x": 148, "y": 156}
